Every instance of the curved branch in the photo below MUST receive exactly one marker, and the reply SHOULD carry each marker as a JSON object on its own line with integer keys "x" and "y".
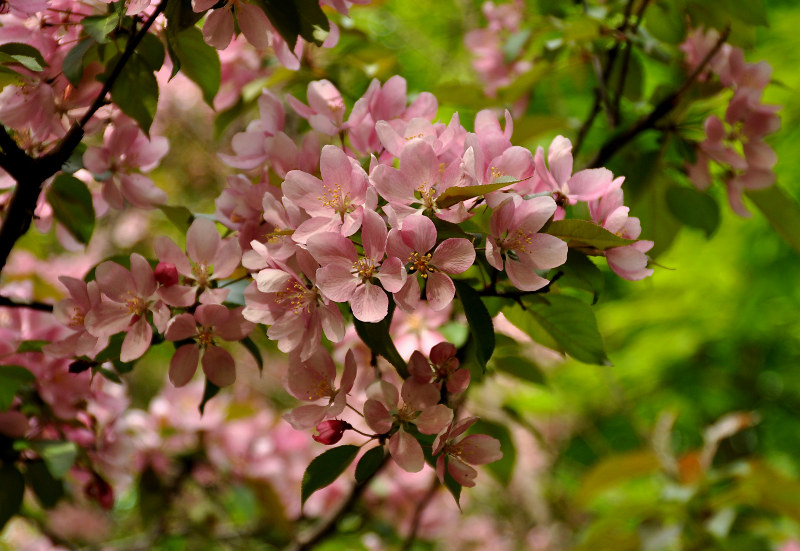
{"x": 40, "y": 306}
{"x": 31, "y": 173}
{"x": 663, "y": 108}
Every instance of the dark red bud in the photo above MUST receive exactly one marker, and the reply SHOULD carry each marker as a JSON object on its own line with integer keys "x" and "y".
{"x": 101, "y": 491}
{"x": 166, "y": 274}
{"x": 331, "y": 431}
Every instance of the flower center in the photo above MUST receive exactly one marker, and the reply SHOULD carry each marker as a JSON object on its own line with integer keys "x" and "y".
{"x": 427, "y": 195}
{"x": 201, "y": 274}
{"x": 76, "y": 320}
{"x": 518, "y": 241}
{"x": 405, "y": 414}
{"x": 205, "y": 337}
{"x": 136, "y": 306}
{"x": 336, "y": 199}
{"x": 298, "y": 297}
{"x": 364, "y": 268}
{"x": 420, "y": 263}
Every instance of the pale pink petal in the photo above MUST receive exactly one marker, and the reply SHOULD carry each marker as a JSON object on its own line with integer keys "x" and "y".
{"x": 419, "y": 367}
{"x": 177, "y": 295}
{"x": 434, "y": 419}
{"x": 480, "y": 449}
{"x": 419, "y": 395}
{"x": 458, "y": 381}
{"x": 418, "y": 233}
{"x": 439, "y": 290}
{"x": 184, "y": 364}
{"x": 114, "y": 281}
{"x": 218, "y": 28}
{"x": 461, "y": 472}
{"x": 144, "y": 280}
{"x": 369, "y": 303}
{"x": 329, "y": 247}
{"x": 254, "y": 25}
{"x": 546, "y": 251}
{"x": 168, "y": 251}
{"x": 107, "y": 318}
{"x": 377, "y": 416}
{"x": 140, "y": 191}
{"x": 392, "y": 274}
{"x": 407, "y": 297}
{"x": 182, "y": 326}
{"x": 202, "y": 241}
{"x": 590, "y": 183}
{"x": 523, "y": 277}
{"x": 454, "y": 256}
{"x": 227, "y": 259}
{"x": 219, "y": 367}
{"x": 493, "y": 256}
{"x": 406, "y": 451}
{"x": 137, "y": 341}
{"x": 349, "y": 373}
{"x": 211, "y": 315}
{"x": 337, "y": 282}
{"x": 305, "y": 417}
{"x": 373, "y": 235}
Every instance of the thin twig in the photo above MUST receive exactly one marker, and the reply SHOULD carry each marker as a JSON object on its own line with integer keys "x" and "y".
{"x": 421, "y": 506}
{"x": 662, "y": 109}
{"x": 40, "y": 306}
{"x": 328, "y": 526}
{"x": 626, "y": 60}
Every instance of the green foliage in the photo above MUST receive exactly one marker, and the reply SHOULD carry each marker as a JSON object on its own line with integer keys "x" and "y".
{"x": 12, "y": 378}
{"x": 198, "y": 61}
{"x": 15, "y": 53}
{"x": 781, "y": 210}
{"x": 58, "y": 456}
{"x": 480, "y": 322}
{"x": 135, "y": 91}
{"x": 582, "y": 233}
{"x": 293, "y": 18}
{"x": 693, "y": 208}
{"x": 100, "y": 26}
{"x": 376, "y": 336}
{"x": 13, "y": 485}
{"x": 369, "y": 463}
{"x": 72, "y": 206}
{"x": 325, "y": 468}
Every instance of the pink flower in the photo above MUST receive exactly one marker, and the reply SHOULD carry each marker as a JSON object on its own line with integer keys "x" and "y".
{"x": 210, "y": 258}
{"x": 383, "y": 411}
{"x": 71, "y": 312}
{"x": 313, "y": 380}
{"x": 335, "y": 203}
{"x": 514, "y": 235}
{"x": 209, "y": 321}
{"x": 125, "y": 150}
{"x": 630, "y": 261}
{"x": 566, "y": 187}
{"x": 457, "y": 452}
{"x": 289, "y": 302}
{"x": 412, "y": 244}
{"x": 132, "y": 294}
{"x": 325, "y": 109}
{"x": 443, "y": 367}
{"x": 346, "y": 277}
{"x": 219, "y": 26}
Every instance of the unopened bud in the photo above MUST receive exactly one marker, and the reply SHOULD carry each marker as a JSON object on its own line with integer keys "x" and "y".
{"x": 331, "y": 431}
{"x": 166, "y": 274}
{"x": 101, "y": 491}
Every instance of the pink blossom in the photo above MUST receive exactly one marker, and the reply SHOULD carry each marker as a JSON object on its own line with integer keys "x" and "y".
{"x": 125, "y": 150}
{"x": 630, "y": 261}
{"x": 71, "y": 312}
{"x": 287, "y": 300}
{"x": 325, "y": 112}
{"x": 335, "y": 203}
{"x": 131, "y": 295}
{"x": 208, "y": 322}
{"x": 442, "y": 368}
{"x": 457, "y": 452}
{"x": 514, "y": 228}
{"x": 313, "y": 380}
{"x": 210, "y": 258}
{"x": 412, "y": 244}
{"x": 219, "y": 26}
{"x": 347, "y": 277}
{"x": 383, "y": 411}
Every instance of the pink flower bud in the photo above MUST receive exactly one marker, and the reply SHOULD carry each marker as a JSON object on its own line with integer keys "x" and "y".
{"x": 101, "y": 491}
{"x": 331, "y": 431}
{"x": 166, "y": 274}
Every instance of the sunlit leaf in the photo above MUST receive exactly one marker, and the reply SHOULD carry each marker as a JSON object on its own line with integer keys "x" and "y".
{"x": 325, "y": 468}
{"x": 582, "y": 233}
{"x": 12, "y": 378}
{"x": 72, "y": 206}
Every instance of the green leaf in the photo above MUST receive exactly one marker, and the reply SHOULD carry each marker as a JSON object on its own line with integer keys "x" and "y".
{"x": 136, "y": 92}
{"x": 209, "y": 392}
{"x": 100, "y": 26}
{"x": 112, "y": 352}
{"x": 72, "y": 206}
{"x": 566, "y": 322}
{"x": 519, "y": 367}
{"x": 314, "y": 26}
{"x": 181, "y": 217}
{"x": 151, "y": 51}
{"x": 694, "y": 208}
{"x": 751, "y": 12}
{"x": 198, "y": 61}
{"x": 12, "y": 378}
{"x": 58, "y": 455}
{"x": 284, "y": 18}
{"x": 10, "y": 76}
{"x": 452, "y": 486}
{"x": 75, "y": 160}
{"x": 254, "y": 351}
{"x": 582, "y": 233}
{"x": 666, "y": 22}
{"x": 13, "y": 485}
{"x": 73, "y": 63}
{"x": 325, "y": 468}
{"x": 502, "y": 469}
{"x": 581, "y": 273}
{"x": 48, "y": 489}
{"x": 615, "y": 470}
{"x": 22, "y": 54}
{"x": 369, "y": 463}
{"x": 456, "y": 194}
{"x": 782, "y": 211}
{"x": 31, "y": 346}
{"x": 651, "y": 206}
{"x": 480, "y": 323}
{"x": 376, "y": 337}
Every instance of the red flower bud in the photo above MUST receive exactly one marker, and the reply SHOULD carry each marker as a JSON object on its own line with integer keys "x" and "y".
{"x": 101, "y": 491}
{"x": 166, "y": 274}
{"x": 331, "y": 431}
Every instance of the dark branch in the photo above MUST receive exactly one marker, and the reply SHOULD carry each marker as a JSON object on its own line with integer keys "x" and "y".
{"x": 659, "y": 111}
{"x": 31, "y": 173}
{"x": 626, "y": 60}
{"x": 328, "y": 526}
{"x": 40, "y": 306}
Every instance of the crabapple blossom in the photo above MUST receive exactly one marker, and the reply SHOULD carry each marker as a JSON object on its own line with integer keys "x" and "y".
{"x": 208, "y": 322}
{"x": 443, "y": 367}
{"x": 325, "y": 109}
{"x": 71, "y": 312}
{"x": 384, "y": 411}
{"x": 313, "y": 380}
{"x": 346, "y": 276}
{"x": 413, "y": 244}
{"x": 514, "y": 228}
{"x": 457, "y": 452}
{"x": 219, "y": 26}
{"x": 210, "y": 258}
{"x": 131, "y": 295}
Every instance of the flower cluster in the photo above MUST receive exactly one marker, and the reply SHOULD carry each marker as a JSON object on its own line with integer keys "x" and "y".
{"x": 736, "y": 143}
